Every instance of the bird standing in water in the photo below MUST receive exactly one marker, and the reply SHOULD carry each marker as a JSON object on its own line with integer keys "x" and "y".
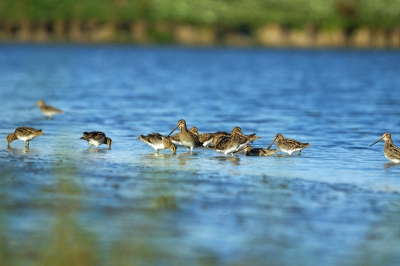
{"x": 250, "y": 151}
{"x": 230, "y": 144}
{"x": 187, "y": 138}
{"x": 390, "y": 151}
{"x": 288, "y": 145}
{"x": 47, "y": 110}
{"x": 25, "y": 134}
{"x": 96, "y": 138}
{"x": 158, "y": 142}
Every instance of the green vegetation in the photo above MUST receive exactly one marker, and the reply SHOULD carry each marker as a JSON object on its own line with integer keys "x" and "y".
{"x": 57, "y": 212}
{"x": 62, "y": 238}
{"x": 232, "y": 13}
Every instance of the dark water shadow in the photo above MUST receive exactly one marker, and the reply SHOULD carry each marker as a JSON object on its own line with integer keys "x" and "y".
{"x": 160, "y": 155}
{"x": 17, "y": 151}
{"x": 44, "y": 118}
{"x": 186, "y": 157}
{"x": 98, "y": 150}
{"x": 391, "y": 164}
{"x": 233, "y": 159}
{"x": 188, "y": 154}
{"x": 285, "y": 155}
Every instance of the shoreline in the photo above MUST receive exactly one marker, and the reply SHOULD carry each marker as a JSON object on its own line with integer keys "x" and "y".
{"x": 271, "y": 35}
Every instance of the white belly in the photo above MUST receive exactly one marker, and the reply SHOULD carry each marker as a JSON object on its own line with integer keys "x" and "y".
{"x": 187, "y": 144}
{"x": 94, "y": 142}
{"x": 395, "y": 160}
{"x": 157, "y": 146}
{"x": 25, "y": 138}
{"x": 231, "y": 149}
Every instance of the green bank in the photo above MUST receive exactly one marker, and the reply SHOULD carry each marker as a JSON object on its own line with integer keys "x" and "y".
{"x": 203, "y": 21}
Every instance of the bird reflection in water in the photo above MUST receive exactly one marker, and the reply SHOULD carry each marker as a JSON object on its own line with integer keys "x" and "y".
{"x": 391, "y": 164}
{"x": 187, "y": 156}
{"x": 233, "y": 159}
{"x": 24, "y": 150}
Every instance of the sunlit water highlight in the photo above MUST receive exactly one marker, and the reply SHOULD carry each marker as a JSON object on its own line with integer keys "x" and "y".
{"x": 336, "y": 204}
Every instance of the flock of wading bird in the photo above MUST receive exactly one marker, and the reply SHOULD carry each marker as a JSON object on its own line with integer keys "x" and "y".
{"x": 223, "y": 142}
{"x": 26, "y": 134}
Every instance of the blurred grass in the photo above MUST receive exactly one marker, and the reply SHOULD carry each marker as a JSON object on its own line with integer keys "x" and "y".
{"x": 71, "y": 217}
{"x": 64, "y": 239}
{"x": 234, "y": 13}
{"x": 61, "y": 241}
{"x": 381, "y": 244}
{"x": 70, "y": 243}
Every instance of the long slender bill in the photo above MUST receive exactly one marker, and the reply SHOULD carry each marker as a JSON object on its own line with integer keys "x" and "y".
{"x": 376, "y": 141}
{"x": 272, "y": 143}
{"x": 244, "y": 136}
{"x": 173, "y": 130}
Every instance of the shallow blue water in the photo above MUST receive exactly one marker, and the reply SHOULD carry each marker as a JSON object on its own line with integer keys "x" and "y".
{"x": 333, "y": 205}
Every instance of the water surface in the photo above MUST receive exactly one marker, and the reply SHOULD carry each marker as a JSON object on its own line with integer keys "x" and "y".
{"x": 336, "y": 204}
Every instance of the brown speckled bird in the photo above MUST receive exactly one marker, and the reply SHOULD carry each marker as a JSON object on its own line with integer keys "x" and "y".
{"x": 188, "y": 139}
{"x": 250, "y": 151}
{"x": 288, "y": 145}
{"x": 390, "y": 151}
{"x": 25, "y": 134}
{"x": 158, "y": 142}
{"x": 47, "y": 110}
{"x": 96, "y": 138}
{"x": 230, "y": 144}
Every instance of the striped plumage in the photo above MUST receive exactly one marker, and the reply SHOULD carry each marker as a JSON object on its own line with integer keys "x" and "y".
{"x": 217, "y": 137}
{"x": 230, "y": 144}
{"x": 390, "y": 151}
{"x": 247, "y": 140}
{"x": 96, "y": 138}
{"x": 206, "y": 139}
{"x": 25, "y": 134}
{"x": 250, "y": 151}
{"x": 176, "y": 137}
{"x": 288, "y": 145}
{"x": 158, "y": 142}
{"x": 187, "y": 139}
